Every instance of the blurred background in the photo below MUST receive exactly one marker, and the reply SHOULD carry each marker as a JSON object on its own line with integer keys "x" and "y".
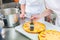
{"x": 9, "y": 18}
{"x": 11, "y": 6}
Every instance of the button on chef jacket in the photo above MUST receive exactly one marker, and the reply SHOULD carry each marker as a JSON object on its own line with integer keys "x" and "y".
{"x": 55, "y": 6}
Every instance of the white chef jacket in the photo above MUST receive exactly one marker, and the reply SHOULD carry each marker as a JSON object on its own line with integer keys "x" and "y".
{"x": 55, "y": 6}
{"x": 33, "y": 6}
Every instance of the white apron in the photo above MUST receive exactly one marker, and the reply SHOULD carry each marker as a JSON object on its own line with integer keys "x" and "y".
{"x": 55, "y": 6}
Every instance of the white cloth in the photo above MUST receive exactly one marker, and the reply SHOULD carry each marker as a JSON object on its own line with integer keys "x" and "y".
{"x": 55, "y": 6}
{"x": 33, "y": 6}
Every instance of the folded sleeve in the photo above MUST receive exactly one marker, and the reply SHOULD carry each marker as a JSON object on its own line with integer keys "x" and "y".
{"x": 22, "y": 1}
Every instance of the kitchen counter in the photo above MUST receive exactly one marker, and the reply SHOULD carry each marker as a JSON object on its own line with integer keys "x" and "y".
{"x": 35, "y": 36}
{"x": 18, "y": 33}
{"x": 11, "y": 34}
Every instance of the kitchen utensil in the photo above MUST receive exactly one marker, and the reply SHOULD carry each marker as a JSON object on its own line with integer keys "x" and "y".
{"x": 31, "y": 26}
{"x": 11, "y": 17}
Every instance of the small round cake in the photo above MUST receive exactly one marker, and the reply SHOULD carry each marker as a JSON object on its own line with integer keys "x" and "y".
{"x": 38, "y": 27}
{"x": 49, "y": 35}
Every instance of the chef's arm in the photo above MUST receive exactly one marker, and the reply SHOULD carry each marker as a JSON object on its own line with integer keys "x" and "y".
{"x": 22, "y": 8}
{"x": 46, "y": 13}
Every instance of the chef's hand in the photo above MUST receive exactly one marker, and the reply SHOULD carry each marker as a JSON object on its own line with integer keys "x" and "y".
{"x": 22, "y": 15}
{"x": 35, "y": 17}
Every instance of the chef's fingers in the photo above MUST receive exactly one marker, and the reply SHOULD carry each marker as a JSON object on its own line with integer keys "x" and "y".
{"x": 33, "y": 18}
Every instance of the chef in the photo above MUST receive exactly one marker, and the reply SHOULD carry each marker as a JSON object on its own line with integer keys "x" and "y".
{"x": 52, "y": 6}
{"x": 31, "y": 8}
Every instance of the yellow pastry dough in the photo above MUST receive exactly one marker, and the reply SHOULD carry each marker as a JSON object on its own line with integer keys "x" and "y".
{"x": 49, "y": 35}
{"x": 38, "y": 27}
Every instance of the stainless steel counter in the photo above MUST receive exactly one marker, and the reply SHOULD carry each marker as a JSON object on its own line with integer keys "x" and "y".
{"x": 11, "y": 34}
